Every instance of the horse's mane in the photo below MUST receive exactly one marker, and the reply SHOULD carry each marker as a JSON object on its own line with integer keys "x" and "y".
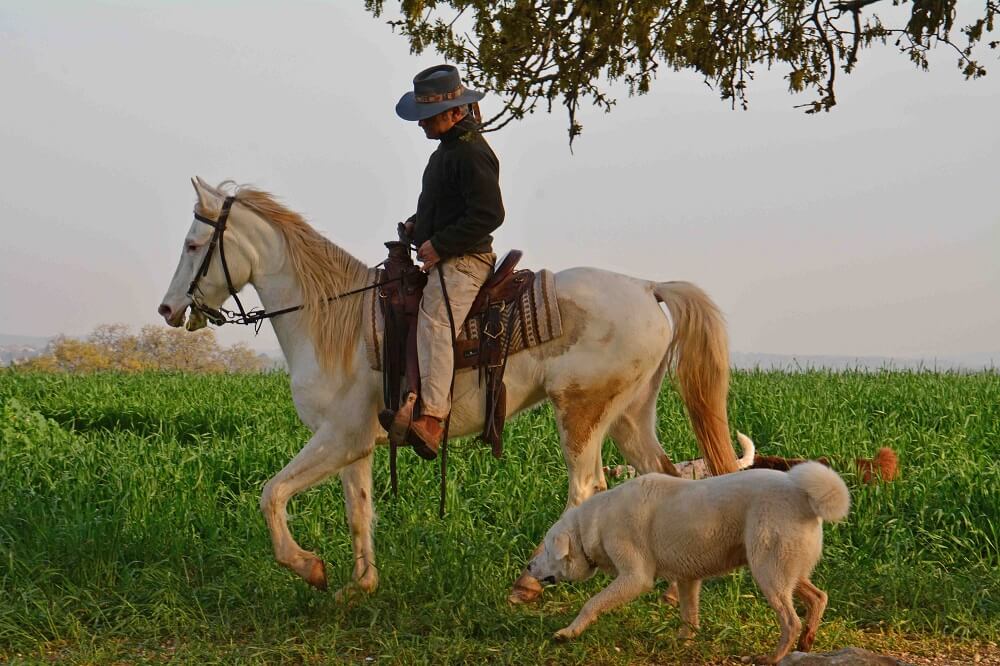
{"x": 323, "y": 270}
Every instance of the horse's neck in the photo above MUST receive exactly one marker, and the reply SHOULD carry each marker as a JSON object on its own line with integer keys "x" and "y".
{"x": 274, "y": 278}
{"x": 277, "y": 291}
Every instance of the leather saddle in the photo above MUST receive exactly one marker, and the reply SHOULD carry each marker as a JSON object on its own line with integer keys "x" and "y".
{"x": 495, "y": 309}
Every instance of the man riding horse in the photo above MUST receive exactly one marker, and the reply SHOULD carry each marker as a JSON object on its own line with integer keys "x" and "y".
{"x": 459, "y": 207}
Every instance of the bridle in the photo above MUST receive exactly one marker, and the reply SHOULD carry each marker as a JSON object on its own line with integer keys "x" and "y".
{"x": 254, "y": 317}
{"x": 220, "y": 316}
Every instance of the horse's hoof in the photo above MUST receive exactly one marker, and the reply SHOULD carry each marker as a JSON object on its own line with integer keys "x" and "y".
{"x": 356, "y": 589}
{"x": 348, "y": 594}
{"x": 525, "y": 591}
{"x": 316, "y": 575}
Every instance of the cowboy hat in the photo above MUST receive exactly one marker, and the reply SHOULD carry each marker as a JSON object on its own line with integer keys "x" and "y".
{"x": 435, "y": 89}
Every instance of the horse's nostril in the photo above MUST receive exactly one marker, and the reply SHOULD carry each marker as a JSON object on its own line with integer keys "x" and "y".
{"x": 164, "y": 310}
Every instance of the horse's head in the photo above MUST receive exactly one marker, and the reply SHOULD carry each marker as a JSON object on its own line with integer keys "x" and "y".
{"x": 213, "y": 264}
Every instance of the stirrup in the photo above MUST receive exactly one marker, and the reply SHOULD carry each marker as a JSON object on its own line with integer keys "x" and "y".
{"x": 398, "y": 424}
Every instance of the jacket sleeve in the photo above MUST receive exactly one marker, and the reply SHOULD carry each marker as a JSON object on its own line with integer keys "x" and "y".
{"x": 478, "y": 180}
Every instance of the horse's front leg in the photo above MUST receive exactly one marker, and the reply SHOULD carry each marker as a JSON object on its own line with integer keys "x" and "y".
{"x": 326, "y": 453}
{"x": 357, "y": 481}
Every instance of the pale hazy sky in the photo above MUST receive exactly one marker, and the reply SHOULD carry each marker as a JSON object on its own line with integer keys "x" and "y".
{"x": 871, "y": 230}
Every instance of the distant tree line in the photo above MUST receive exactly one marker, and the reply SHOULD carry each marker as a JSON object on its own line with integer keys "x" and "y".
{"x": 114, "y": 347}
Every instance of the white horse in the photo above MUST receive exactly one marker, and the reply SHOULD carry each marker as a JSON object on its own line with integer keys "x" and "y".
{"x": 603, "y": 375}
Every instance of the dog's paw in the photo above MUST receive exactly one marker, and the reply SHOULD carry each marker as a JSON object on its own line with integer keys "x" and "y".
{"x": 671, "y": 596}
{"x": 563, "y": 635}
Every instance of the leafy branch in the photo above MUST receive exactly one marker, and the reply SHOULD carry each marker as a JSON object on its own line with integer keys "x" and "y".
{"x": 540, "y": 52}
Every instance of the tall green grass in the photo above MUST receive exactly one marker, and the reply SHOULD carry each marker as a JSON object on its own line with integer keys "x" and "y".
{"x": 130, "y": 529}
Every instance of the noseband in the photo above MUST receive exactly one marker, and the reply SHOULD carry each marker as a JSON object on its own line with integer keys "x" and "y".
{"x": 222, "y": 316}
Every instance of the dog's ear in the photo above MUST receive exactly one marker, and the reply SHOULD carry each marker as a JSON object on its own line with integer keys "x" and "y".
{"x": 560, "y": 546}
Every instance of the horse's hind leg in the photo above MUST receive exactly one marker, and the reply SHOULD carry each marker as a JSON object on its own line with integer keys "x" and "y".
{"x": 324, "y": 455}
{"x": 634, "y": 431}
{"x": 357, "y": 481}
{"x": 582, "y": 418}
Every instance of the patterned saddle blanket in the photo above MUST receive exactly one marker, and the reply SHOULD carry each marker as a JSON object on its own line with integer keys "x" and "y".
{"x": 535, "y": 320}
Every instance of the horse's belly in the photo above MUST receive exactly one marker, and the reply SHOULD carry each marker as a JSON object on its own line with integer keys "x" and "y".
{"x": 524, "y": 390}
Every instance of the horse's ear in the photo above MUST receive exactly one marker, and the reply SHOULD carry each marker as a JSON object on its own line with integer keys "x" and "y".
{"x": 205, "y": 185}
{"x": 205, "y": 198}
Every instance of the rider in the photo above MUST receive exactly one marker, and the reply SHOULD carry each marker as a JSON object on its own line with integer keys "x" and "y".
{"x": 458, "y": 209}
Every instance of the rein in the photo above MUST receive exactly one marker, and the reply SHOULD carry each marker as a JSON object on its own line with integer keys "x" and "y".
{"x": 256, "y": 316}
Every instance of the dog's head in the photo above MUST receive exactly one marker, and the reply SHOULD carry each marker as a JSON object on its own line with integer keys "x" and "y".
{"x": 562, "y": 557}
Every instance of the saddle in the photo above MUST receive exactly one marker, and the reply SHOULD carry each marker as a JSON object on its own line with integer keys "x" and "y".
{"x": 399, "y": 300}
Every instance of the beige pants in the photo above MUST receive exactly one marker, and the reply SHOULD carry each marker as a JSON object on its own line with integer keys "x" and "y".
{"x": 463, "y": 276}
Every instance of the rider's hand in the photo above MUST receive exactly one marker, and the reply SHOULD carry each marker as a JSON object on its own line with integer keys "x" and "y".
{"x": 428, "y": 255}
{"x": 408, "y": 227}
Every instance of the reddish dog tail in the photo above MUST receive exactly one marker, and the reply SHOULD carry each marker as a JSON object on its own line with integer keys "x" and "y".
{"x": 882, "y": 467}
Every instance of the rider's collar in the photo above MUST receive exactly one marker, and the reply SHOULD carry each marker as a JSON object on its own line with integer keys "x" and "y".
{"x": 462, "y": 127}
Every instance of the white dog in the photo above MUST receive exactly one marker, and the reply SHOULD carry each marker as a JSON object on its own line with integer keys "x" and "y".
{"x": 658, "y": 526}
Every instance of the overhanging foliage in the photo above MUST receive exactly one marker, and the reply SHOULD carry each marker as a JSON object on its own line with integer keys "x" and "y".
{"x": 548, "y": 51}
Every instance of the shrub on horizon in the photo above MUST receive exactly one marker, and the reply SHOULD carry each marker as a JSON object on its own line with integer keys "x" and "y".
{"x": 113, "y": 347}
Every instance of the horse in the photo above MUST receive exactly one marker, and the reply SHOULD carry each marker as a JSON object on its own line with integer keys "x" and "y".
{"x": 603, "y": 374}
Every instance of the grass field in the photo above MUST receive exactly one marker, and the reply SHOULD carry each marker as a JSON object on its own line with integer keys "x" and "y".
{"x": 130, "y": 529}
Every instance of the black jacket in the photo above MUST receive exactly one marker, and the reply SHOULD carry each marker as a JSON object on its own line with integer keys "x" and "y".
{"x": 460, "y": 203}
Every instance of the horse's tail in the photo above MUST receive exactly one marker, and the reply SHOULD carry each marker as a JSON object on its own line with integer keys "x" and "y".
{"x": 700, "y": 350}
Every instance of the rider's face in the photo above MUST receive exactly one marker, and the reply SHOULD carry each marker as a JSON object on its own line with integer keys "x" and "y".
{"x": 435, "y": 126}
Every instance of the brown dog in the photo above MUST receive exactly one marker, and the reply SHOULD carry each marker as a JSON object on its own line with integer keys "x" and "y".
{"x": 882, "y": 467}
{"x": 782, "y": 464}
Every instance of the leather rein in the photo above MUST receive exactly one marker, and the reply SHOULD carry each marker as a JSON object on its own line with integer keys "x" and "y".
{"x": 256, "y": 316}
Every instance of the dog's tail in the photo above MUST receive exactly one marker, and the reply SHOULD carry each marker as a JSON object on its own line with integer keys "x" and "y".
{"x": 827, "y": 492}
{"x": 882, "y": 467}
{"x": 746, "y": 444}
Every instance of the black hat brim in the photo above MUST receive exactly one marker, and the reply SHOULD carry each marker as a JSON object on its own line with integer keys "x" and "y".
{"x": 408, "y": 108}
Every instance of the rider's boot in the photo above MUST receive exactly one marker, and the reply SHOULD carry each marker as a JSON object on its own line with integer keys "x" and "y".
{"x": 425, "y": 436}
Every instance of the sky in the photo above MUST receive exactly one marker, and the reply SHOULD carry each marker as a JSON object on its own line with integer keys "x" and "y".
{"x": 873, "y": 230}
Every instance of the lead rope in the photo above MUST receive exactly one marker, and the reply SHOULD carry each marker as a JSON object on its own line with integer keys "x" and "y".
{"x": 451, "y": 395}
